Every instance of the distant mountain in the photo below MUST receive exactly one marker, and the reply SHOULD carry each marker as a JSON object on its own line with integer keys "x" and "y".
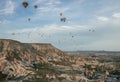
{"x": 93, "y": 52}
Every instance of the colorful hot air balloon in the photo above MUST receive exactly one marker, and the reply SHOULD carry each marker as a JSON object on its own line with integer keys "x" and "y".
{"x": 25, "y": 4}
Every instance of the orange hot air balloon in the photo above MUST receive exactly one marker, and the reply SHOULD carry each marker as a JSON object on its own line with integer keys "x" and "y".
{"x": 25, "y": 4}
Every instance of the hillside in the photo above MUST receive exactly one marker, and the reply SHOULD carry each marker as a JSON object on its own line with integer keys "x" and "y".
{"x": 17, "y": 58}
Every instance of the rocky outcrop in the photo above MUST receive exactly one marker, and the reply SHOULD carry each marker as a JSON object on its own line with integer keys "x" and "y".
{"x": 17, "y": 59}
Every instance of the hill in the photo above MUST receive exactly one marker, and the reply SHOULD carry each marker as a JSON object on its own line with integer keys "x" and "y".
{"x": 17, "y": 59}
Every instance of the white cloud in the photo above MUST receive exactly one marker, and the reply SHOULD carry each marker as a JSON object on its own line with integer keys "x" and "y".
{"x": 49, "y": 6}
{"x": 52, "y": 8}
{"x": 48, "y": 33}
{"x": 52, "y": 29}
{"x": 46, "y": 9}
{"x": 116, "y": 15}
{"x": 103, "y": 18}
{"x": 111, "y": 43}
{"x": 4, "y": 22}
{"x": 54, "y": 2}
{"x": 9, "y": 8}
{"x": 39, "y": 1}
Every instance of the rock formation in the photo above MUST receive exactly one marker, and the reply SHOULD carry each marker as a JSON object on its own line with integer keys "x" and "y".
{"x": 16, "y": 58}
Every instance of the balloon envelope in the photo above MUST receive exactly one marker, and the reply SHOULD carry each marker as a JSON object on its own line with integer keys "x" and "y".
{"x": 13, "y": 33}
{"x": 35, "y": 6}
{"x": 60, "y": 14}
{"x": 63, "y": 19}
{"x": 29, "y": 19}
{"x": 25, "y": 4}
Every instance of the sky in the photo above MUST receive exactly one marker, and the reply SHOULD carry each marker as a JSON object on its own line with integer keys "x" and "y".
{"x": 89, "y": 25}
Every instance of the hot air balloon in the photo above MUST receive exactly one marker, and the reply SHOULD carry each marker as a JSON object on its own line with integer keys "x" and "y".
{"x": 13, "y": 33}
{"x": 25, "y": 4}
{"x": 93, "y": 30}
{"x": 29, "y": 19}
{"x": 35, "y": 6}
{"x": 89, "y": 29}
{"x": 63, "y": 19}
{"x": 60, "y": 14}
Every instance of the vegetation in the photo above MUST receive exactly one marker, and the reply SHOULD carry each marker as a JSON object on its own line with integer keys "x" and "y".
{"x": 13, "y": 54}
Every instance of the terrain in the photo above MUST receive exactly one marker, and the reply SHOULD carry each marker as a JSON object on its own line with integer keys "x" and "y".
{"x": 39, "y": 62}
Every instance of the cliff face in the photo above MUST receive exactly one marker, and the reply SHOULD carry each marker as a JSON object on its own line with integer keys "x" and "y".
{"x": 49, "y": 52}
{"x": 17, "y": 58}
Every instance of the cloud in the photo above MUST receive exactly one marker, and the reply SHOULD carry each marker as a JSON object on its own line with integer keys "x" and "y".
{"x": 39, "y": 1}
{"x": 54, "y": 2}
{"x": 53, "y": 34}
{"x": 48, "y": 9}
{"x": 48, "y": 30}
{"x": 9, "y": 8}
{"x": 49, "y": 6}
{"x": 116, "y": 15}
{"x": 103, "y": 18}
{"x": 53, "y": 28}
{"x": 106, "y": 43}
{"x": 4, "y": 22}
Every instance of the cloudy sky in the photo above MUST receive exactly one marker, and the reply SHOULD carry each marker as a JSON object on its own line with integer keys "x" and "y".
{"x": 90, "y": 24}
